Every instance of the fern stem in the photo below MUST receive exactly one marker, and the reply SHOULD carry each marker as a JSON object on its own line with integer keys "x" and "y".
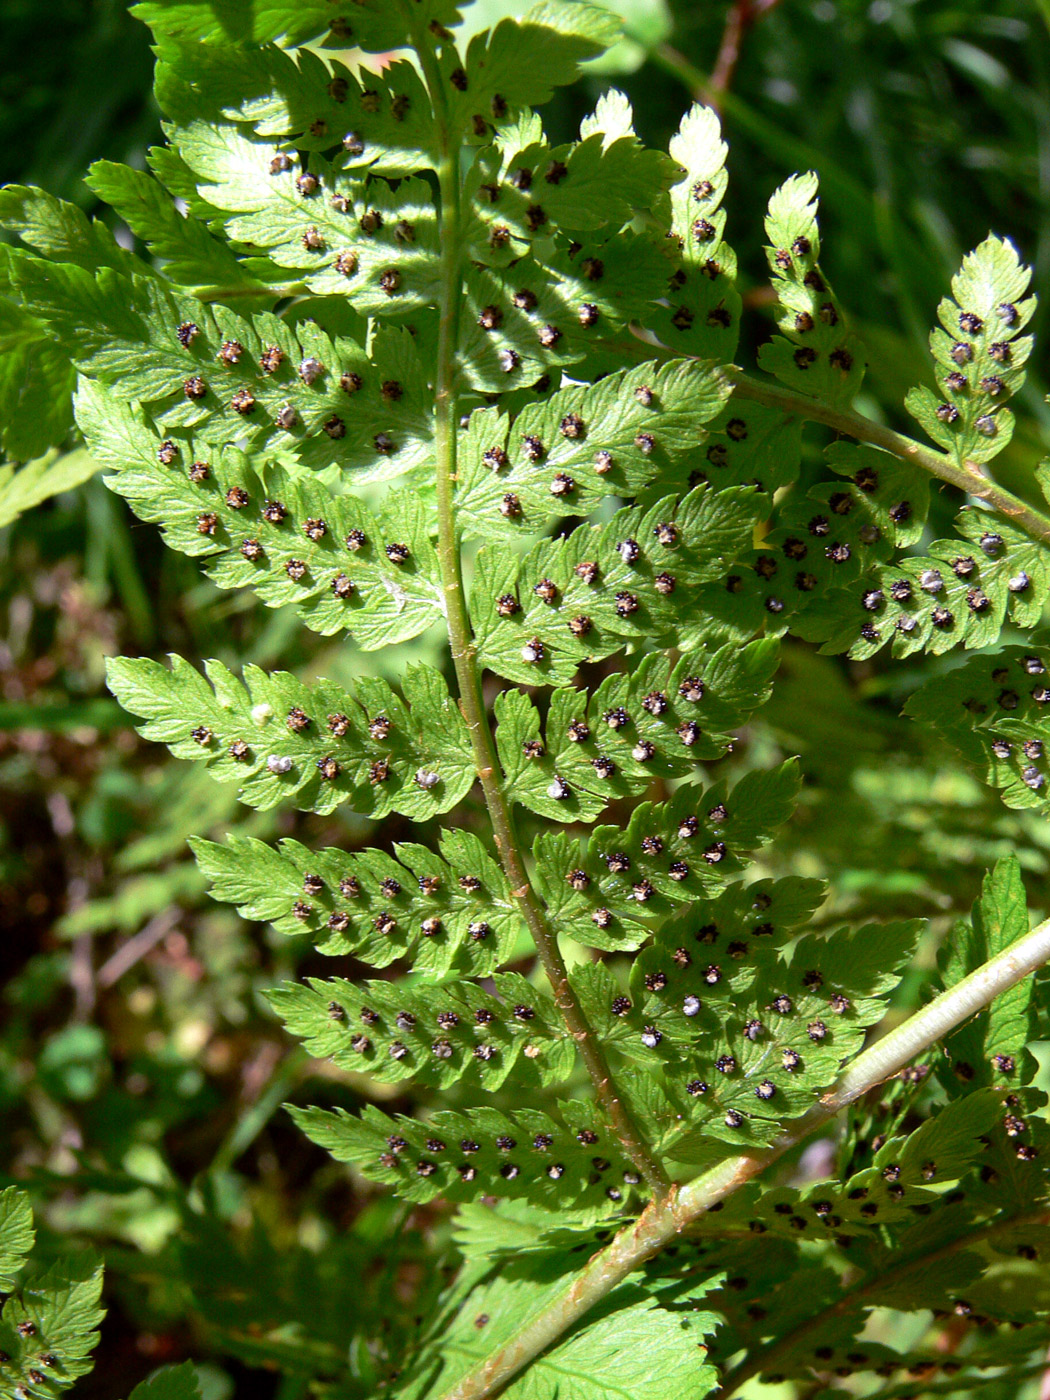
{"x": 768, "y": 1358}
{"x": 968, "y": 478}
{"x": 664, "y": 1219}
{"x": 465, "y": 662}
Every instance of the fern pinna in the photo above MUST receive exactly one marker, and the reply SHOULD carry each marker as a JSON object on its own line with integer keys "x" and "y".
{"x": 403, "y": 365}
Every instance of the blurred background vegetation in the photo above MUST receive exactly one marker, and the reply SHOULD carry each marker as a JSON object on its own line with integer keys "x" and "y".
{"x": 141, "y": 1075}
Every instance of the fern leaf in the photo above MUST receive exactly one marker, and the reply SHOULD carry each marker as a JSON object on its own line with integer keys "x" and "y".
{"x": 586, "y": 289}
{"x": 703, "y": 312}
{"x": 521, "y": 61}
{"x": 588, "y": 594}
{"x": 907, "y": 1171}
{"x": 16, "y": 1234}
{"x": 582, "y": 444}
{"x": 608, "y": 892}
{"x": 59, "y": 230}
{"x": 815, "y": 353}
{"x": 231, "y": 379}
{"x": 991, "y": 711}
{"x": 372, "y": 243}
{"x": 36, "y": 386}
{"x": 658, "y": 721}
{"x": 435, "y": 1036}
{"x": 280, "y": 739}
{"x": 819, "y": 561}
{"x": 523, "y": 1155}
{"x": 303, "y": 102}
{"x": 39, "y": 480}
{"x": 374, "y": 25}
{"x": 980, "y": 359}
{"x": 629, "y": 1346}
{"x": 191, "y": 256}
{"x": 448, "y": 913}
{"x": 962, "y": 593}
{"x": 753, "y": 444}
{"x": 170, "y": 1383}
{"x": 749, "y": 1037}
{"x": 49, "y": 1328}
{"x": 991, "y": 1048}
{"x": 282, "y": 534}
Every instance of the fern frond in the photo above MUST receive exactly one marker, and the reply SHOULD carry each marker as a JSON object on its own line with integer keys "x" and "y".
{"x": 609, "y": 890}
{"x": 228, "y": 378}
{"x": 752, "y": 444}
{"x": 749, "y": 1037}
{"x": 962, "y": 593}
{"x": 702, "y": 311}
{"x": 301, "y": 101}
{"x": 815, "y": 353}
{"x": 49, "y": 1328}
{"x": 657, "y": 722}
{"x": 582, "y": 444}
{"x": 279, "y": 532}
{"x": 980, "y": 359}
{"x": 60, "y": 231}
{"x": 905, "y": 1172}
{"x": 448, "y": 913}
{"x": 16, "y": 1234}
{"x": 374, "y": 25}
{"x": 588, "y": 594}
{"x": 992, "y": 1048}
{"x": 436, "y": 1036}
{"x": 820, "y": 544}
{"x": 632, "y": 1346}
{"x": 190, "y": 254}
{"x": 991, "y": 711}
{"x": 320, "y": 745}
{"x": 521, "y": 1155}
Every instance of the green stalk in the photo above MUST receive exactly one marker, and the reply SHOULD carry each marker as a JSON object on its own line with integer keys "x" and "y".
{"x": 665, "y": 1219}
{"x": 968, "y": 478}
{"x": 464, "y": 653}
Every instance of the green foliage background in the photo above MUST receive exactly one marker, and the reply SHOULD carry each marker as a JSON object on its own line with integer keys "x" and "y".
{"x": 140, "y": 1068}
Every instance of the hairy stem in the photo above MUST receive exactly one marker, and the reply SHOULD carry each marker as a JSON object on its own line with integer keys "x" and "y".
{"x": 769, "y": 1358}
{"x": 464, "y": 658}
{"x": 665, "y": 1218}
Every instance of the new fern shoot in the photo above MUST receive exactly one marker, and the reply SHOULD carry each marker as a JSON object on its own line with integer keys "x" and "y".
{"x": 389, "y": 358}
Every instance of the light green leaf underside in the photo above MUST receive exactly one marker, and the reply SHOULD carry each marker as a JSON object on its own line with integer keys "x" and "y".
{"x": 16, "y": 1234}
{"x": 625, "y": 581}
{"x": 393, "y": 1033}
{"x": 272, "y": 528}
{"x": 580, "y": 1165}
{"x": 373, "y": 905}
{"x": 57, "y": 1316}
{"x": 815, "y": 353}
{"x": 244, "y": 735}
{"x": 610, "y": 889}
{"x": 979, "y": 355}
{"x": 657, "y": 721}
{"x": 25, "y": 487}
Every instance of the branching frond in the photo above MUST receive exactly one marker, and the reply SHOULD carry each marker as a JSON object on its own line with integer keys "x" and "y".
{"x": 394, "y": 360}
